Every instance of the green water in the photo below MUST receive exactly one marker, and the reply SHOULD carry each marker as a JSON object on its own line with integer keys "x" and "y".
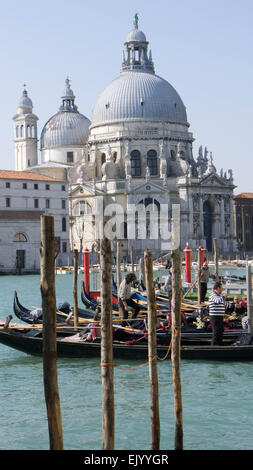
{"x": 217, "y": 396}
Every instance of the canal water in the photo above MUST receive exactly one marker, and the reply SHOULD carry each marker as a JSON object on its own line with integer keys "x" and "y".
{"x": 217, "y": 396}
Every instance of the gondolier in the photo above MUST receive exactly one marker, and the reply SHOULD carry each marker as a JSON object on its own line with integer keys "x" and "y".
{"x": 125, "y": 296}
{"x": 217, "y": 307}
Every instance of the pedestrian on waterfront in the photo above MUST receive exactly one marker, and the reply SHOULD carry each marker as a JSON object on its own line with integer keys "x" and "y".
{"x": 125, "y": 300}
{"x": 168, "y": 286}
{"x": 217, "y": 307}
{"x": 205, "y": 274}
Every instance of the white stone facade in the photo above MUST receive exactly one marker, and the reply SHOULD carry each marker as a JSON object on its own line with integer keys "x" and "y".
{"x": 24, "y": 197}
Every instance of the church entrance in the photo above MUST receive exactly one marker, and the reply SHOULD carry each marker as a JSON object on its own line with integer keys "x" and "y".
{"x": 208, "y": 224}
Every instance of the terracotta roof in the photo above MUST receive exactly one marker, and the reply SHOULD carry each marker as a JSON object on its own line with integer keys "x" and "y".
{"x": 12, "y": 214}
{"x": 26, "y": 175}
{"x": 244, "y": 196}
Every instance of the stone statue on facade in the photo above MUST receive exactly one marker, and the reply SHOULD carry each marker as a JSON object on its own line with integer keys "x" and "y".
{"x": 230, "y": 172}
{"x": 210, "y": 166}
{"x": 147, "y": 174}
{"x": 201, "y": 162}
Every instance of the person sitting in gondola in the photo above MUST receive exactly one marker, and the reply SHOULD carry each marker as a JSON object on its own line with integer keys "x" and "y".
{"x": 124, "y": 295}
{"x": 239, "y": 306}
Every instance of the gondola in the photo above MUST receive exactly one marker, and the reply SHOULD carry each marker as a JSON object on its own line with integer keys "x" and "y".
{"x": 93, "y": 304}
{"x": 30, "y": 341}
{"x": 35, "y": 316}
{"x": 188, "y": 331}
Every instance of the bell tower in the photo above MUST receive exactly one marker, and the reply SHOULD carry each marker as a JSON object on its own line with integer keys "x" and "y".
{"x": 25, "y": 134}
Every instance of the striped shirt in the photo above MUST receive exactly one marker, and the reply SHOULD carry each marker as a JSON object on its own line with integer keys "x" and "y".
{"x": 217, "y": 304}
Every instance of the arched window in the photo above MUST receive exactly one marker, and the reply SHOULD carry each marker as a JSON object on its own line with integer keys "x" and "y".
{"x": 17, "y": 131}
{"x": 135, "y": 163}
{"x": 81, "y": 208}
{"x": 28, "y": 131}
{"x": 149, "y": 226}
{"x": 103, "y": 158}
{"x": 21, "y": 131}
{"x": 20, "y": 237}
{"x": 152, "y": 162}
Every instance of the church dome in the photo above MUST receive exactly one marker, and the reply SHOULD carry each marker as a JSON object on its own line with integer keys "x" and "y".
{"x": 68, "y": 127}
{"x": 65, "y": 129}
{"x": 136, "y": 35}
{"x": 138, "y": 93}
{"x": 25, "y": 104}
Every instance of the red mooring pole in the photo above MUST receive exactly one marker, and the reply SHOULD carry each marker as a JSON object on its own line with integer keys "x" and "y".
{"x": 187, "y": 254}
{"x": 86, "y": 267}
{"x": 202, "y": 254}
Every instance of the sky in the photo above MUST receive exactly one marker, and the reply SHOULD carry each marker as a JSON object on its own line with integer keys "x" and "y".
{"x": 202, "y": 48}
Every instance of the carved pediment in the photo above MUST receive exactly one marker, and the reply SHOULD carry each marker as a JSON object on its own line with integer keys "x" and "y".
{"x": 84, "y": 190}
{"x": 149, "y": 187}
{"x": 213, "y": 180}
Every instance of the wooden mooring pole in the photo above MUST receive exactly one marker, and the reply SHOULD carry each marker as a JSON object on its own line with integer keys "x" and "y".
{"x": 47, "y": 286}
{"x": 132, "y": 259}
{"x": 216, "y": 258}
{"x": 118, "y": 264}
{"x": 118, "y": 270}
{"x": 175, "y": 346}
{"x": 75, "y": 289}
{"x": 107, "y": 372}
{"x": 199, "y": 275}
{"x": 249, "y": 297}
{"x": 152, "y": 351}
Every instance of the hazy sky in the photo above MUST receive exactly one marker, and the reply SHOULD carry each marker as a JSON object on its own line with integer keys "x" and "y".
{"x": 203, "y": 48}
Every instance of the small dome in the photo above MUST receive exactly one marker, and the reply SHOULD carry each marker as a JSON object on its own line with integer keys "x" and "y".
{"x": 25, "y": 101}
{"x": 66, "y": 128}
{"x": 136, "y": 35}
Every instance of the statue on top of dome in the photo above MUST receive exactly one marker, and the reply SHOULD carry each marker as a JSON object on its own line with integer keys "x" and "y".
{"x": 136, "y": 20}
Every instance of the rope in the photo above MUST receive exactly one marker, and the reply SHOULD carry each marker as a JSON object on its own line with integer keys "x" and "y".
{"x": 145, "y": 363}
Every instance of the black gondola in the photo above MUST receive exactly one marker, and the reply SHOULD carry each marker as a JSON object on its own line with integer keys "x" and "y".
{"x": 90, "y": 302}
{"x": 35, "y": 316}
{"x": 30, "y": 341}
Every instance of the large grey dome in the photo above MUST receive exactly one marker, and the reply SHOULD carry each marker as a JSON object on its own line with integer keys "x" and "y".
{"x": 139, "y": 95}
{"x": 66, "y": 128}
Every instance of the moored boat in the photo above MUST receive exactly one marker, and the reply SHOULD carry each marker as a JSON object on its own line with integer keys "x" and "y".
{"x": 35, "y": 316}
{"x": 30, "y": 341}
